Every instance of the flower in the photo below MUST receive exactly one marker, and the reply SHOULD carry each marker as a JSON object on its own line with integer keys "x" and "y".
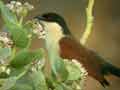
{"x": 28, "y": 6}
{"x": 39, "y": 31}
{"x": 76, "y": 69}
{"x": 5, "y": 40}
{"x": 18, "y": 8}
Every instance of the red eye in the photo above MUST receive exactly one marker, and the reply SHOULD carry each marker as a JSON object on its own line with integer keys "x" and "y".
{"x": 48, "y": 18}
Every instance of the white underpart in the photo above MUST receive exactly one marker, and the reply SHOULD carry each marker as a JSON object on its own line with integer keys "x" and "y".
{"x": 53, "y": 34}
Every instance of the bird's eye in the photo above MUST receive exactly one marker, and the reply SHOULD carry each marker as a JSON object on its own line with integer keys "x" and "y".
{"x": 48, "y": 18}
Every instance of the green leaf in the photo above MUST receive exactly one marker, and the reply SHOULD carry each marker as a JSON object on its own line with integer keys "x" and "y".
{"x": 39, "y": 81}
{"x": 7, "y": 83}
{"x": 59, "y": 87}
{"x": 67, "y": 87}
{"x": 38, "y": 54}
{"x": 16, "y": 72}
{"x": 61, "y": 71}
{"x": 21, "y": 59}
{"x": 25, "y": 57}
{"x": 7, "y": 15}
{"x": 63, "y": 86}
{"x": 23, "y": 79}
{"x": 21, "y": 86}
{"x": 5, "y": 52}
{"x": 3, "y": 75}
{"x": 19, "y": 36}
{"x": 18, "y": 33}
{"x": 74, "y": 71}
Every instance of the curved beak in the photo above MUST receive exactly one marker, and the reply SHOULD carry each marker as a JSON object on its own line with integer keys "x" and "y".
{"x": 40, "y": 18}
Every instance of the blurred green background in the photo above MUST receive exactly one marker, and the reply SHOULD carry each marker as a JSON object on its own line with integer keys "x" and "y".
{"x": 105, "y": 38}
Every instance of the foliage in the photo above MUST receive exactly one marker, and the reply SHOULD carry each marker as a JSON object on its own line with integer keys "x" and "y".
{"x": 21, "y": 68}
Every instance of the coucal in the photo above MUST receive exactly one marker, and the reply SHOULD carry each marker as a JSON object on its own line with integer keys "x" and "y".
{"x": 69, "y": 48}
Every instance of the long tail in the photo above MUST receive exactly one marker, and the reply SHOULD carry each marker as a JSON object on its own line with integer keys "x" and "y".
{"x": 111, "y": 69}
{"x": 106, "y": 68}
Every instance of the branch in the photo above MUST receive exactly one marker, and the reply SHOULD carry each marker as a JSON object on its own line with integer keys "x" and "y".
{"x": 89, "y": 24}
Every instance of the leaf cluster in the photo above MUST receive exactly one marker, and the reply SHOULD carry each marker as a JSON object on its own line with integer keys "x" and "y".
{"x": 19, "y": 71}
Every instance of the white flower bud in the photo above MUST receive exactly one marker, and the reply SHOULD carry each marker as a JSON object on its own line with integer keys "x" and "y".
{"x": 28, "y": 6}
{"x": 10, "y": 6}
{"x": 4, "y": 37}
{"x": 18, "y": 3}
{"x": 39, "y": 31}
{"x": 19, "y": 8}
{"x": 29, "y": 36}
{"x": 13, "y": 2}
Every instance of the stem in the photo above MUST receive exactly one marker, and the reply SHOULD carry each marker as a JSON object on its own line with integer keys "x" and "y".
{"x": 29, "y": 43}
{"x": 21, "y": 74}
{"x": 24, "y": 72}
{"x": 21, "y": 20}
{"x": 13, "y": 53}
{"x": 89, "y": 24}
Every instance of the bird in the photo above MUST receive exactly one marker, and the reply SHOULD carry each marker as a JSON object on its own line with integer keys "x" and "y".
{"x": 70, "y": 48}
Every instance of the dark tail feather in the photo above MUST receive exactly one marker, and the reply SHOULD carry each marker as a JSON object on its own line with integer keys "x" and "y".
{"x": 109, "y": 68}
{"x": 105, "y": 83}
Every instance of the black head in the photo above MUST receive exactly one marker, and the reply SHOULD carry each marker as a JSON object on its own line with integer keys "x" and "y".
{"x": 53, "y": 17}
